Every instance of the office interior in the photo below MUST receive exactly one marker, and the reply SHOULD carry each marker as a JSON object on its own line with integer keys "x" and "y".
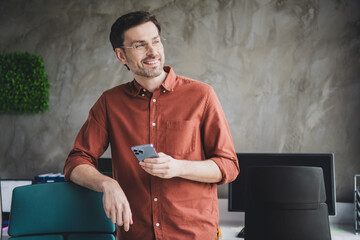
{"x": 286, "y": 73}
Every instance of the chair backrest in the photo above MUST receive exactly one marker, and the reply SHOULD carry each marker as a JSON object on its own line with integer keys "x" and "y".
{"x": 57, "y": 208}
{"x": 286, "y": 202}
{"x": 291, "y": 187}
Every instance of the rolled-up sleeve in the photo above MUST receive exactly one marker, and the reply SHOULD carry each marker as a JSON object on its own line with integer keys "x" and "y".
{"x": 91, "y": 141}
{"x": 218, "y": 143}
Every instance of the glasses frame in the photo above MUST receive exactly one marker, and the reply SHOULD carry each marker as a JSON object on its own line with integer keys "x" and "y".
{"x": 137, "y": 49}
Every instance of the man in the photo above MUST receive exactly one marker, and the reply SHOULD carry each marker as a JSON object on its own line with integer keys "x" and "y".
{"x": 173, "y": 196}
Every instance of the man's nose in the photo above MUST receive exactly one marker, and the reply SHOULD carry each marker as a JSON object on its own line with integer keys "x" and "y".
{"x": 150, "y": 50}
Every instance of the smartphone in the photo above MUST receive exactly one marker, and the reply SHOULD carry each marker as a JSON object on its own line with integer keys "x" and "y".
{"x": 144, "y": 151}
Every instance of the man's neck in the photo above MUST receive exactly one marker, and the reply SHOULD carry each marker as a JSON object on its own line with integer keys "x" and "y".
{"x": 151, "y": 83}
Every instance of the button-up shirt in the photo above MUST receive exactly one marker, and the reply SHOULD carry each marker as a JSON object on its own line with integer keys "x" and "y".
{"x": 182, "y": 118}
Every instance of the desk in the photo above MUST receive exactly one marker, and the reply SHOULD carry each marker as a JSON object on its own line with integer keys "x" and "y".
{"x": 341, "y": 225}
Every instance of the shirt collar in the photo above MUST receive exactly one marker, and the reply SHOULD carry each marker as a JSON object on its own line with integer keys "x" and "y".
{"x": 168, "y": 84}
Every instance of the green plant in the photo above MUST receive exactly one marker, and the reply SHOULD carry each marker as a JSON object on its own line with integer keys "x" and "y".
{"x": 24, "y": 86}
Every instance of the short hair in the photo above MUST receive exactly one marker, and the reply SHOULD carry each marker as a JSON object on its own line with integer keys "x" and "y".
{"x": 128, "y": 21}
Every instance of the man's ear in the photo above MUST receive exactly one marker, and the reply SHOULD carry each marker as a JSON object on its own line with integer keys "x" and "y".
{"x": 119, "y": 53}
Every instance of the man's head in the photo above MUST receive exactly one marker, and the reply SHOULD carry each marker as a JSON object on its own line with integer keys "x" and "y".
{"x": 137, "y": 44}
{"x": 128, "y": 21}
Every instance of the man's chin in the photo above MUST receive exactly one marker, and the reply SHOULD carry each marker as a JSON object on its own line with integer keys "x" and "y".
{"x": 148, "y": 72}
{"x": 157, "y": 71}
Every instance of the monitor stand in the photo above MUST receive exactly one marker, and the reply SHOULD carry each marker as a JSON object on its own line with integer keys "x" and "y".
{"x": 241, "y": 233}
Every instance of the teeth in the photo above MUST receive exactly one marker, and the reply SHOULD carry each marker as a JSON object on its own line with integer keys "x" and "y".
{"x": 152, "y": 62}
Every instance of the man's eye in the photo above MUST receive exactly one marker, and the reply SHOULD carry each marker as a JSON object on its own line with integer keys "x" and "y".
{"x": 139, "y": 46}
{"x": 156, "y": 42}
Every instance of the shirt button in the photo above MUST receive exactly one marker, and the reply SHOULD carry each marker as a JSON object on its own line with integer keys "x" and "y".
{"x": 155, "y": 199}
{"x": 157, "y": 224}
{"x": 154, "y": 100}
{"x": 144, "y": 90}
{"x": 154, "y": 124}
{"x": 164, "y": 91}
{"x": 142, "y": 94}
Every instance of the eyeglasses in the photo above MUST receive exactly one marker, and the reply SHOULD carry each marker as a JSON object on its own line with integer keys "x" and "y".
{"x": 143, "y": 47}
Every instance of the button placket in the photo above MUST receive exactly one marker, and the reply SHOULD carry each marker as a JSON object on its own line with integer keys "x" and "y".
{"x": 155, "y": 181}
{"x": 153, "y": 117}
{"x": 156, "y": 207}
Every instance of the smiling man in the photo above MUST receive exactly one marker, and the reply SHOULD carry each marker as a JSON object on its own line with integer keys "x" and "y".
{"x": 173, "y": 196}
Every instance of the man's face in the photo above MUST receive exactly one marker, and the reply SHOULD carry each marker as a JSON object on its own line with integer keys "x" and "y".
{"x": 148, "y": 59}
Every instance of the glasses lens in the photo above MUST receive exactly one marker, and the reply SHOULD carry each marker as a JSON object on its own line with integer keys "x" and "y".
{"x": 145, "y": 48}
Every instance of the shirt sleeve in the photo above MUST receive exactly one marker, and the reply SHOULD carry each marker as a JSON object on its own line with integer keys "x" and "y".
{"x": 91, "y": 141}
{"x": 218, "y": 143}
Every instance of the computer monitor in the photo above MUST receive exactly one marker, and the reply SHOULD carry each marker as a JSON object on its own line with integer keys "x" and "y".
{"x": 7, "y": 186}
{"x": 105, "y": 166}
{"x": 238, "y": 188}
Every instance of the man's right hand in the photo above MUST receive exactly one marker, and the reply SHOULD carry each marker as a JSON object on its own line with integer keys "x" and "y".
{"x": 116, "y": 205}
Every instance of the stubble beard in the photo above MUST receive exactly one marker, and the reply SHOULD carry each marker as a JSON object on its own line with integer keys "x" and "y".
{"x": 145, "y": 72}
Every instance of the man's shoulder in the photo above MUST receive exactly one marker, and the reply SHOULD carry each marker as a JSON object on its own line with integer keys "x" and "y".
{"x": 182, "y": 81}
{"x": 119, "y": 89}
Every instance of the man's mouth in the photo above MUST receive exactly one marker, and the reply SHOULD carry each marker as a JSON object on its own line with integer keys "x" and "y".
{"x": 151, "y": 62}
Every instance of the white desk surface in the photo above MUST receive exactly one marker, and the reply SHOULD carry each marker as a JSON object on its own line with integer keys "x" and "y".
{"x": 231, "y": 223}
{"x": 341, "y": 226}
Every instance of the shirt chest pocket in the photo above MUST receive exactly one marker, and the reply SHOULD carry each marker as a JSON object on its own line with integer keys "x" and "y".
{"x": 178, "y": 137}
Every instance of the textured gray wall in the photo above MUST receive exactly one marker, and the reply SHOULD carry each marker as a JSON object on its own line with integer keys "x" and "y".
{"x": 286, "y": 72}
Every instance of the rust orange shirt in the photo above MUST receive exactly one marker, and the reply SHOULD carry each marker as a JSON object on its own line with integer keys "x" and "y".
{"x": 182, "y": 118}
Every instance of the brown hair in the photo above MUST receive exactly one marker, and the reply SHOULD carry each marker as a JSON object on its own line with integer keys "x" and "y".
{"x": 128, "y": 21}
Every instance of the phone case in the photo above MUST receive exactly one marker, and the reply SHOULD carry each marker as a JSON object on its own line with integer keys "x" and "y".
{"x": 144, "y": 151}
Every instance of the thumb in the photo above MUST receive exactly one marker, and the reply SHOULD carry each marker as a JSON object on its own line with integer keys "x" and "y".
{"x": 161, "y": 154}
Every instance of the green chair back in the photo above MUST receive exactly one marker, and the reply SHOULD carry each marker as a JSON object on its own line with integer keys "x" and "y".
{"x": 57, "y": 208}
{"x": 43, "y": 237}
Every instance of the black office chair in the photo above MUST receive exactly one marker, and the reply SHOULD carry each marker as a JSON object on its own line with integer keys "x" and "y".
{"x": 286, "y": 203}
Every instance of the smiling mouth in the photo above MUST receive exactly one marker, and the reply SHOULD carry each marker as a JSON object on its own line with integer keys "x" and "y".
{"x": 151, "y": 61}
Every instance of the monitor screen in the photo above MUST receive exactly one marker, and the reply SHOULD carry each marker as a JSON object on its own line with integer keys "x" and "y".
{"x": 6, "y": 187}
{"x": 237, "y": 188}
{"x": 105, "y": 166}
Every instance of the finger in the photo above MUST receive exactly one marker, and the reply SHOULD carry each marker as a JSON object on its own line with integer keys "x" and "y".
{"x": 155, "y": 168}
{"x": 112, "y": 215}
{"x": 131, "y": 219}
{"x": 106, "y": 209}
{"x": 120, "y": 221}
{"x": 148, "y": 166}
{"x": 161, "y": 159}
{"x": 161, "y": 154}
{"x": 158, "y": 171}
{"x": 152, "y": 160}
{"x": 108, "y": 213}
{"x": 126, "y": 217}
{"x": 155, "y": 161}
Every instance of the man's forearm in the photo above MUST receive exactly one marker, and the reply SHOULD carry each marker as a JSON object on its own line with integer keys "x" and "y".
{"x": 165, "y": 166}
{"x": 89, "y": 177}
{"x": 202, "y": 171}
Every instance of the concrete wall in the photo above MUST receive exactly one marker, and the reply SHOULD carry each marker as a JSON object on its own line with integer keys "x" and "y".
{"x": 286, "y": 72}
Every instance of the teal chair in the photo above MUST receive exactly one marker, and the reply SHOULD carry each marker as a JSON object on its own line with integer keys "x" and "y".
{"x": 58, "y": 211}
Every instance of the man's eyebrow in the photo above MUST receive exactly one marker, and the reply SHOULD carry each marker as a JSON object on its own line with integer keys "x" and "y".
{"x": 143, "y": 41}
{"x": 137, "y": 41}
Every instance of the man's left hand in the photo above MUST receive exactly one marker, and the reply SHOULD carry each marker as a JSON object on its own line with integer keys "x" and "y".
{"x": 164, "y": 166}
